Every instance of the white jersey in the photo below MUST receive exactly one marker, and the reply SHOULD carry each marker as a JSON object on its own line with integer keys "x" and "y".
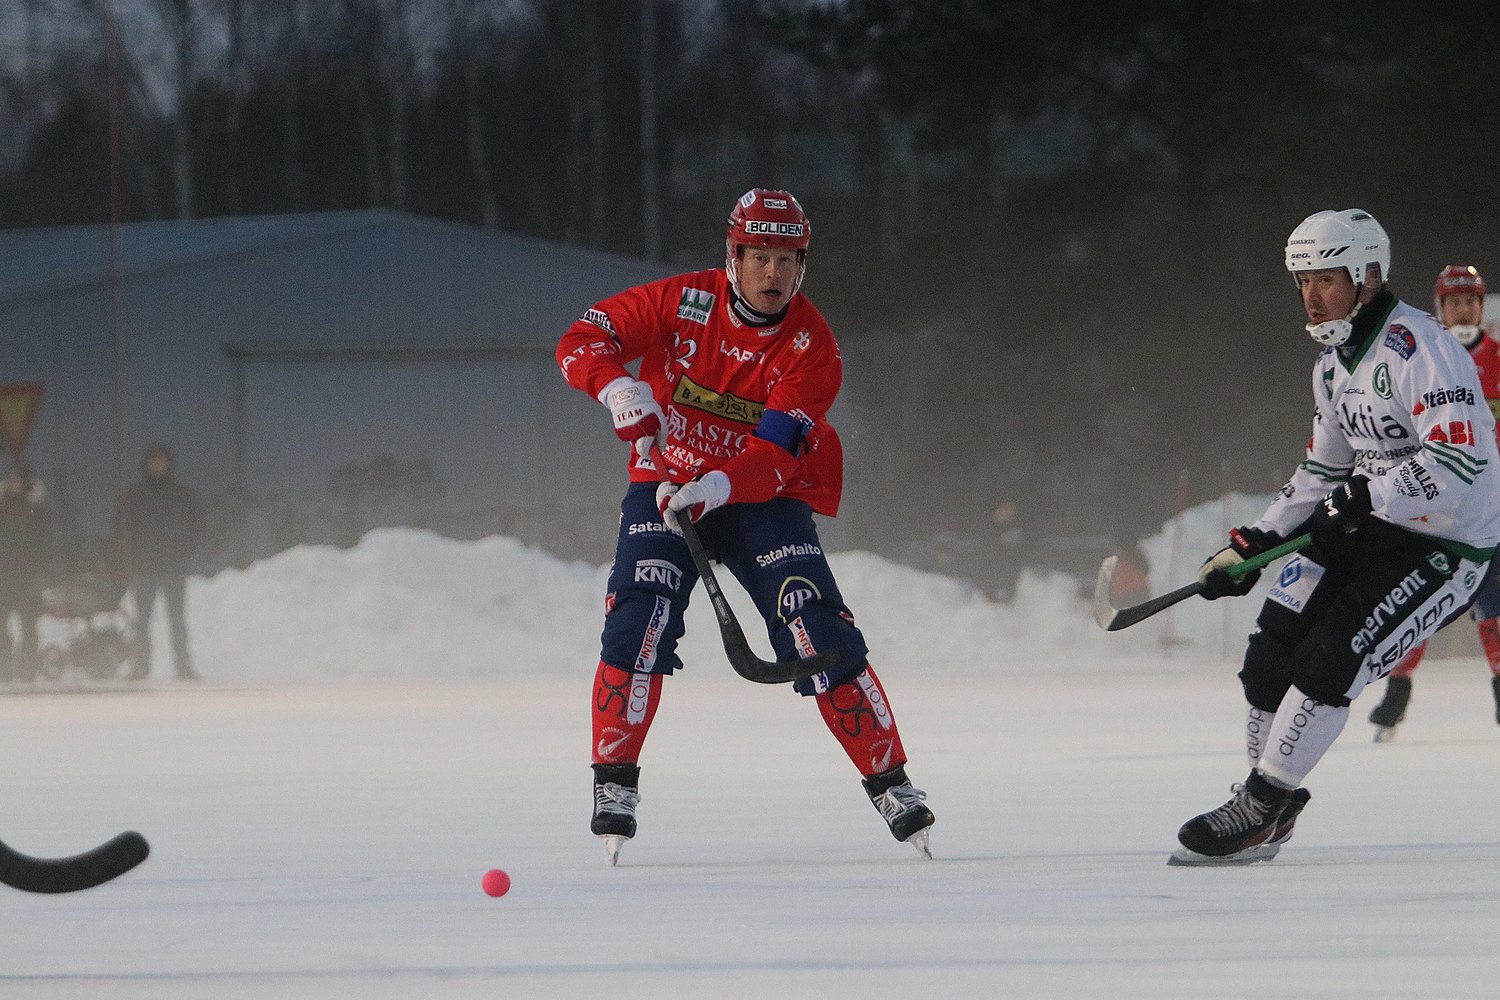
{"x": 1407, "y": 413}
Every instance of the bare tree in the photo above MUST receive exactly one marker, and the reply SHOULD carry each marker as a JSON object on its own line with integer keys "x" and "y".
{"x": 470, "y": 32}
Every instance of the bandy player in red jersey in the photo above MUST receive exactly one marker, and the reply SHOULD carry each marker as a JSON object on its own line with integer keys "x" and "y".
{"x": 737, "y": 372}
{"x": 1459, "y": 304}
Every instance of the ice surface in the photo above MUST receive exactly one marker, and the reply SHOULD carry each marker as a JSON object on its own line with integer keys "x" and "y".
{"x": 381, "y": 726}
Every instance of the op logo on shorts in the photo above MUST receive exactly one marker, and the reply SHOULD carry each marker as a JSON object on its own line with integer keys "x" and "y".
{"x": 795, "y": 592}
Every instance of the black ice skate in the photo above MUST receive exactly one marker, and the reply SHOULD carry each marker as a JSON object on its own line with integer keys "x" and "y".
{"x": 1392, "y": 708}
{"x": 1288, "y": 819}
{"x": 902, "y": 806}
{"x": 1250, "y": 827}
{"x": 1495, "y": 685}
{"x": 616, "y": 794}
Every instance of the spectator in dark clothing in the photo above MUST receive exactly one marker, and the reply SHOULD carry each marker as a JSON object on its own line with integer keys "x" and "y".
{"x": 24, "y": 568}
{"x": 158, "y": 529}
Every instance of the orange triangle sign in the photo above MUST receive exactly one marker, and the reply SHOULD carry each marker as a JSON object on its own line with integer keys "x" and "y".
{"x": 18, "y": 404}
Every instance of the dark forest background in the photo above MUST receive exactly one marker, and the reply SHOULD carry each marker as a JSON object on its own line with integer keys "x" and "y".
{"x": 1048, "y": 234}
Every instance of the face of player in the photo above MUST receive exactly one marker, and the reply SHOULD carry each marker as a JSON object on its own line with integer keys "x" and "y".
{"x": 1328, "y": 294}
{"x": 1462, "y": 309}
{"x": 767, "y": 277}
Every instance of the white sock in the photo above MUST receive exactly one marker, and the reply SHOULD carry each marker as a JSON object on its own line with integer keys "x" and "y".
{"x": 1257, "y": 727}
{"x": 1300, "y": 735}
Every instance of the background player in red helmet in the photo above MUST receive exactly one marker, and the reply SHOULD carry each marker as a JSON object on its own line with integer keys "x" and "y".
{"x": 1459, "y": 303}
{"x": 737, "y": 372}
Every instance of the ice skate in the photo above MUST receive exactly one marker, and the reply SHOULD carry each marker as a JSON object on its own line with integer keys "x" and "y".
{"x": 1392, "y": 708}
{"x": 1495, "y": 686}
{"x": 616, "y": 794}
{"x": 1250, "y": 827}
{"x": 1288, "y": 818}
{"x": 903, "y": 808}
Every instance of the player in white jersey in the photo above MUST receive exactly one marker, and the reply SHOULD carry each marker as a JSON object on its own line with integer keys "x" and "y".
{"x": 1400, "y": 492}
{"x": 1458, "y": 301}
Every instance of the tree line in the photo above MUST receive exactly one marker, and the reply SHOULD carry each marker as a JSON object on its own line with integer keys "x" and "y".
{"x": 1061, "y": 224}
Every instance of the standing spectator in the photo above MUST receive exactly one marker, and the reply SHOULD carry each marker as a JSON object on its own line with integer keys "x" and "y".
{"x": 158, "y": 528}
{"x": 24, "y": 564}
{"x": 1011, "y": 553}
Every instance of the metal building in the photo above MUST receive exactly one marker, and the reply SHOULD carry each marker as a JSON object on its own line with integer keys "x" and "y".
{"x": 317, "y": 374}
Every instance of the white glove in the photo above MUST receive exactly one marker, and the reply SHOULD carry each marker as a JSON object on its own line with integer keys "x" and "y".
{"x": 697, "y": 497}
{"x": 634, "y": 409}
{"x": 664, "y": 493}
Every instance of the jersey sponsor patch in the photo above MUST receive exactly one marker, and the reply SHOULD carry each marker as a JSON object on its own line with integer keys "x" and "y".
{"x": 722, "y": 404}
{"x": 1458, "y": 394}
{"x": 1299, "y": 577}
{"x": 599, "y": 318}
{"x": 696, "y": 305}
{"x": 1399, "y": 339}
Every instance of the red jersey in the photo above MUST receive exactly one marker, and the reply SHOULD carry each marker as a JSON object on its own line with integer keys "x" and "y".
{"x": 1486, "y": 355}
{"x": 715, "y": 377}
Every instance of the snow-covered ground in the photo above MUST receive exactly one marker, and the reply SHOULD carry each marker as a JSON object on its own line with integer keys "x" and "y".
{"x": 381, "y": 726}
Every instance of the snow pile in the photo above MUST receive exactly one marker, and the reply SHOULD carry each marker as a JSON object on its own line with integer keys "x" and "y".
{"x": 405, "y": 602}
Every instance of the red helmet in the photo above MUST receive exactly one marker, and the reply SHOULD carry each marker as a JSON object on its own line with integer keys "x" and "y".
{"x": 1458, "y": 278}
{"x": 763, "y": 218}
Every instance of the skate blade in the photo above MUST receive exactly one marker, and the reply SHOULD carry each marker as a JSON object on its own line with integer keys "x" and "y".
{"x": 919, "y": 840}
{"x": 1385, "y": 734}
{"x": 612, "y": 844}
{"x": 1184, "y": 858}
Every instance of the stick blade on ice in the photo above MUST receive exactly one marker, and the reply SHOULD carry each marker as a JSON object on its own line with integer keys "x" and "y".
{"x": 108, "y": 861}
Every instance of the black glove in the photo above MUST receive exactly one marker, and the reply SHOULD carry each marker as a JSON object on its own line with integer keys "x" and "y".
{"x": 1340, "y": 513}
{"x": 1243, "y": 543}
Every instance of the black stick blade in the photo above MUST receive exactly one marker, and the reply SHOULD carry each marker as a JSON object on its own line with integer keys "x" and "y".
{"x": 108, "y": 861}
{"x": 736, "y": 647}
{"x": 1112, "y": 619}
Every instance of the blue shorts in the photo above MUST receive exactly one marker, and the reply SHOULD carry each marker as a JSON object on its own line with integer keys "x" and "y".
{"x": 771, "y": 548}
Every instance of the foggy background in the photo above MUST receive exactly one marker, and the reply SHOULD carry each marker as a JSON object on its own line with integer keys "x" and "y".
{"x": 1050, "y": 245}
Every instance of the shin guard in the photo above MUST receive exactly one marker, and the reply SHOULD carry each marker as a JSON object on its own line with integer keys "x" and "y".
{"x": 1257, "y": 729}
{"x": 859, "y": 717}
{"x": 624, "y": 705}
{"x": 1300, "y": 735}
{"x": 1489, "y": 638}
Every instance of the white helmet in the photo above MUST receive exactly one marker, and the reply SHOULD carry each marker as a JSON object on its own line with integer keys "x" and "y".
{"x": 1351, "y": 239}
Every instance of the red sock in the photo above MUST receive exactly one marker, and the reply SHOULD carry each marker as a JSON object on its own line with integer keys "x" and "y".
{"x": 1408, "y": 664}
{"x": 1489, "y": 638}
{"x": 624, "y": 705}
{"x": 858, "y": 715}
